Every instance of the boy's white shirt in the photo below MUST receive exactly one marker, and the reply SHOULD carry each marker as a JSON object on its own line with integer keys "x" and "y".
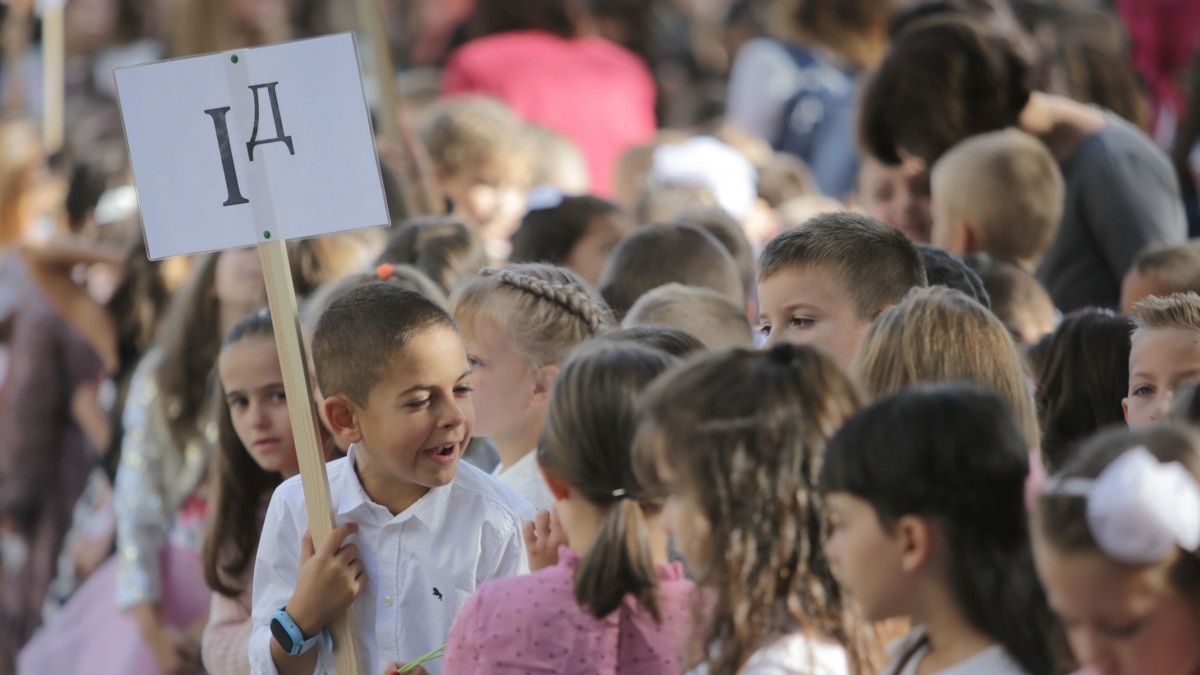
{"x": 448, "y": 543}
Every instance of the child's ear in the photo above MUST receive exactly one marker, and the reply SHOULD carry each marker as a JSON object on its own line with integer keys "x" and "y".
{"x": 341, "y": 416}
{"x": 543, "y": 383}
{"x": 1125, "y": 409}
{"x": 914, "y": 538}
{"x": 558, "y": 487}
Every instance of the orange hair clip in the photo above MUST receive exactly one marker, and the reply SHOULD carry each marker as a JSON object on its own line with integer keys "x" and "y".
{"x": 385, "y": 271}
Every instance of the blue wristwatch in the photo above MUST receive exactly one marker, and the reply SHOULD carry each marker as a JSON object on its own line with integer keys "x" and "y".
{"x": 291, "y": 639}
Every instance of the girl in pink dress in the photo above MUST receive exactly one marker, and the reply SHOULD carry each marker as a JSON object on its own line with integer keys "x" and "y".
{"x": 607, "y": 601}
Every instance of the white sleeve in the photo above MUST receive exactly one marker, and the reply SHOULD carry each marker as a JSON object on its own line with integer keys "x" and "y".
{"x": 761, "y": 80}
{"x": 275, "y": 572}
{"x": 511, "y": 560}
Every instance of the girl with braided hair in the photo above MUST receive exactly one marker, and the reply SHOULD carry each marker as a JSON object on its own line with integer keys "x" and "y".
{"x": 520, "y": 324}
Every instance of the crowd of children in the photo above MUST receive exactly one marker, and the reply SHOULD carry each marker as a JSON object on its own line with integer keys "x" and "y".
{"x": 744, "y": 337}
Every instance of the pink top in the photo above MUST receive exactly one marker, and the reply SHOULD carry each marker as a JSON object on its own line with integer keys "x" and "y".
{"x": 533, "y": 624}
{"x": 593, "y": 91}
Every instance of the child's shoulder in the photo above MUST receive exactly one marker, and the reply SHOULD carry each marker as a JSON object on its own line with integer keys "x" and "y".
{"x": 289, "y": 495}
{"x": 495, "y": 499}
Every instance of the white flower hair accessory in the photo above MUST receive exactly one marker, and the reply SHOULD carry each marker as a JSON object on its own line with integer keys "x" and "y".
{"x": 1138, "y": 508}
{"x": 704, "y": 161}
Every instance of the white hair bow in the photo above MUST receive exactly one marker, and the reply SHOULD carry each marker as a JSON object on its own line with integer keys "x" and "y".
{"x": 1139, "y": 509}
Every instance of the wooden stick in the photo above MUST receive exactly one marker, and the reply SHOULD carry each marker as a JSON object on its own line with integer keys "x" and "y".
{"x": 281, "y": 297}
{"x": 53, "y": 78}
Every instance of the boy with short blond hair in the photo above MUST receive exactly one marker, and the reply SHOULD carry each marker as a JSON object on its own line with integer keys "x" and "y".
{"x": 1164, "y": 356}
{"x": 999, "y": 193}
{"x": 823, "y": 283}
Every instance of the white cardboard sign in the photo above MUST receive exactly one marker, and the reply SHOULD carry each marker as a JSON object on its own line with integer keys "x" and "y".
{"x": 249, "y": 146}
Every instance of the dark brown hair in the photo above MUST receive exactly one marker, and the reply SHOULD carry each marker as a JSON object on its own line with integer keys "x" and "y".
{"x": 745, "y": 433}
{"x": 445, "y": 249}
{"x": 944, "y": 79}
{"x": 661, "y": 254}
{"x": 319, "y": 260}
{"x": 1061, "y": 519}
{"x": 360, "y": 334}
{"x": 586, "y": 442}
{"x": 1084, "y": 377}
{"x": 1188, "y": 133}
{"x": 549, "y": 235}
{"x": 874, "y": 263}
{"x": 242, "y": 486}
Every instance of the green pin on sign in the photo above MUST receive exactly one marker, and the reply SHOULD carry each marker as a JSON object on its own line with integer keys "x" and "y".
{"x": 273, "y": 142}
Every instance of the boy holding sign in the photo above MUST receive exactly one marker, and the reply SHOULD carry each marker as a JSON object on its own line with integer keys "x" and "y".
{"x": 416, "y": 531}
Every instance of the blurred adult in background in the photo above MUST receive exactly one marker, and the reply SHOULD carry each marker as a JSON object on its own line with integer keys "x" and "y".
{"x": 946, "y": 79}
{"x": 1185, "y": 154}
{"x": 798, "y": 89}
{"x": 543, "y": 58}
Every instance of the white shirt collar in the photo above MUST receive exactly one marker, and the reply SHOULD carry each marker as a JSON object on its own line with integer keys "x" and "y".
{"x": 430, "y": 509}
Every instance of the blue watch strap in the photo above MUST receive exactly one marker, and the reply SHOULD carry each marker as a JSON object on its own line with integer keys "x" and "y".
{"x": 299, "y": 644}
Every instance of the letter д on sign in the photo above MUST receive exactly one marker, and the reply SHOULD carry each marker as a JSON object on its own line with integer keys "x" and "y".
{"x": 240, "y": 148}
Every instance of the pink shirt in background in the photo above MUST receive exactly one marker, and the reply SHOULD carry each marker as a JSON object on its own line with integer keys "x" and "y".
{"x": 533, "y": 624}
{"x": 593, "y": 91}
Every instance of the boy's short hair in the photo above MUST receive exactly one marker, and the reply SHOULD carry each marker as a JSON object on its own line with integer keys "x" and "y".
{"x": 703, "y": 312}
{"x": 661, "y": 254}
{"x": 361, "y": 332}
{"x": 729, "y": 232}
{"x": 478, "y": 134}
{"x": 873, "y": 262}
{"x": 660, "y": 202}
{"x": 1177, "y": 266}
{"x": 1007, "y": 184}
{"x": 1180, "y": 311}
{"x": 444, "y": 248}
{"x": 1016, "y": 294}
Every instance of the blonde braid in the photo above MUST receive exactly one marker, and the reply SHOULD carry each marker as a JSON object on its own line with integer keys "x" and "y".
{"x": 563, "y": 292}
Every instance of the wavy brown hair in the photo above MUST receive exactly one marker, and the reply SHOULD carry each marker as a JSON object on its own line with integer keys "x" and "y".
{"x": 744, "y": 433}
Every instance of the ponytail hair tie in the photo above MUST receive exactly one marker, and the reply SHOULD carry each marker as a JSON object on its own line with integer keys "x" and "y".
{"x": 385, "y": 271}
{"x": 1139, "y": 509}
{"x": 622, "y": 493}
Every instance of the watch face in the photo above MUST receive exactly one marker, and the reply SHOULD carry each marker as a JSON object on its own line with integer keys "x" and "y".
{"x": 282, "y": 636}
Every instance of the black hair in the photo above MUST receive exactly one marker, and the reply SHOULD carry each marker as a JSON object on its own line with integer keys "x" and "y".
{"x": 945, "y": 269}
{"x": 955, "y": 454}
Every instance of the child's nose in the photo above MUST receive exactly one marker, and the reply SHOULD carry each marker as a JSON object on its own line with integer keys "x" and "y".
{"x": 453, "y": 415}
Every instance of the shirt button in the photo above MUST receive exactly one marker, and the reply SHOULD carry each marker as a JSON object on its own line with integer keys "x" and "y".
{"x": 387, "y": 600}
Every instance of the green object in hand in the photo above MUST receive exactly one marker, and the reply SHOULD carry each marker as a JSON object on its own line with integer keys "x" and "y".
{"x": 431, "y": 656}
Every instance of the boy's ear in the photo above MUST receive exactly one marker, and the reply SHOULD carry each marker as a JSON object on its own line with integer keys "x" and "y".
{"x": 1125, "y": 408}
{"x": 558, "y": 487}
{"x": 341, "y": 414}
{"x": 914, "y": 537}
{"x": 543, "y": 383}
{"x": 970, "y": 238}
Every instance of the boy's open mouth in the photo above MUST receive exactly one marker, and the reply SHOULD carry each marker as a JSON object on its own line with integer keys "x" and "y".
{"x": 444, "y": 453}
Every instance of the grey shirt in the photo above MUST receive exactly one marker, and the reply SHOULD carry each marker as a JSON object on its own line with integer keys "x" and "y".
{"x": 1122, "y": 195}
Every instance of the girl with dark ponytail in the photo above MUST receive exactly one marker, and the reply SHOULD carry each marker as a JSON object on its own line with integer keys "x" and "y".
{"x": 608, "y": 601}
{"x": 925, "y": 491}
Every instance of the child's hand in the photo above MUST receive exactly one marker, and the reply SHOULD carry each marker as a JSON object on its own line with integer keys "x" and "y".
{"x": 543, "y": 535}
{"x": 330, "y": 579}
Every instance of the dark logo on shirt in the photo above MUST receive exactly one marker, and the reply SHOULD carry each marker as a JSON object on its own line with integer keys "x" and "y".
{"x": 436, "y": 593}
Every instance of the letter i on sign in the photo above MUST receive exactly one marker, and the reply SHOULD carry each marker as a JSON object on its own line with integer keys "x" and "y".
{"x": 327, "y": 181}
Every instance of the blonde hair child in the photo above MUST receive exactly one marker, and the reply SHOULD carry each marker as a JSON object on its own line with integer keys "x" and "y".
{"x": 520, "y": 324}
